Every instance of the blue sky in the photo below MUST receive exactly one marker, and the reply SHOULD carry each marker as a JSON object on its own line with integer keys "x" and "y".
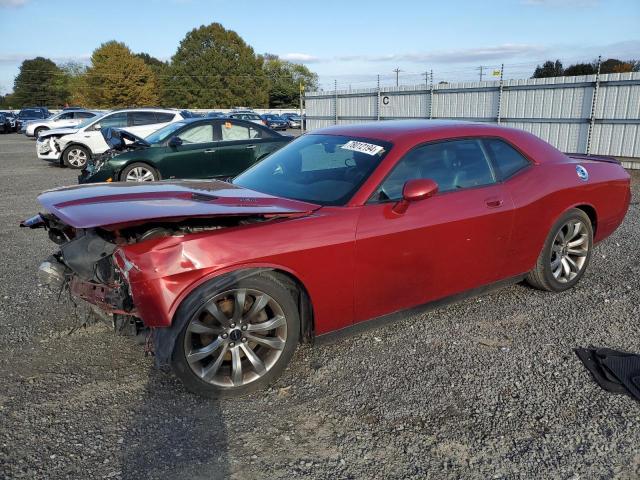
{"x": 350, "y": 41}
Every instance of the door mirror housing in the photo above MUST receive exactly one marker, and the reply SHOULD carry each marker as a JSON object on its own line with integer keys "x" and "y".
{"x": 415, "y": 190}
{"x": 97, "y": 127}
{"x": 175, "y": 142}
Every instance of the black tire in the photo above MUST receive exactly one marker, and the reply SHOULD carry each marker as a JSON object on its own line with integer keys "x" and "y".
{"x": 192, "y": 309}
{"x": 76, "y": 157}
{"x": 38, "y": 131}
{"x": 542, "y": 276}
{"x": 139, "y": 166}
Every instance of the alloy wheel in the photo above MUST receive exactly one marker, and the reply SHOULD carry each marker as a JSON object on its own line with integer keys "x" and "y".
{"x": 140, "y": 174}
{"x": 569, "y": 251}
{"x": 235, "y": 338}
{"x": 77, "y": 157}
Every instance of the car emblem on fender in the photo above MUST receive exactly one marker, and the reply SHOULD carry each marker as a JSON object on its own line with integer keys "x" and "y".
{"x": 582, "y": 173}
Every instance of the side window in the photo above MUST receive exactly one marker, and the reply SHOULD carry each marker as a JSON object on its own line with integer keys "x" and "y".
{"x": 142, "y": 118}
{"x": 197, "y": 134}
{"x": 163, "y": 117}
{"x": 83, "y": 115}
{"x": 117, "y": 120}
{"x": 452, "y": 165}
{"x": 506, "y": 158}
{"x": 233, "y": 132}
{"x": 66, "y": 116}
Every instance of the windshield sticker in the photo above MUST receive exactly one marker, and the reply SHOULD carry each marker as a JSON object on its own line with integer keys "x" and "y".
{"x": 362, "y": 147}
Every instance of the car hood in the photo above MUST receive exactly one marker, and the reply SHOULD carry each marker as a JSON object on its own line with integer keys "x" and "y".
{"x": 58, "y": 132}
{"x": 118, "y": 204}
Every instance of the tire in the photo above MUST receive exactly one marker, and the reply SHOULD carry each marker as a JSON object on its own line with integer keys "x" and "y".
{"x": 237, "y": 364}
{"x": 139, "y": 172}
{"x": 38, "y": 131}
{"x": 565, "y": 255}
{"x": 76, "y": 157}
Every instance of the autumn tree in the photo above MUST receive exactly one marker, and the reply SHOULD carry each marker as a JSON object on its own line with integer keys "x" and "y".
{"x": 40, "y": 82}
{"x": 117, "y": 78}
{"x": 215, "y": 68}
{"x": 161, "y": 71}
{"x": 613, "y": 65}
{"x": 285, "y": 79}
{"x": 75, "y": 73}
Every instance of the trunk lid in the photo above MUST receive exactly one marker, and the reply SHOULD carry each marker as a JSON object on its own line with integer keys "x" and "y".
{"x": 118, "y": 204}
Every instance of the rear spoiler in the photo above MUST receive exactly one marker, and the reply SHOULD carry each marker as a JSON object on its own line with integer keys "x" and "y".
{"x": 595, "y": 158}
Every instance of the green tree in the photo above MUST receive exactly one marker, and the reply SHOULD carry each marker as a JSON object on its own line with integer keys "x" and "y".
{"x": 40, "y": 82}
{"x": 549, "y": 69}
{"x": 117, "y": 78}
{"x": 579, "y": 69}
{"x": 285, "y": 79}
{"x": 75, "y": 73}
{"x": 215, "y": 68}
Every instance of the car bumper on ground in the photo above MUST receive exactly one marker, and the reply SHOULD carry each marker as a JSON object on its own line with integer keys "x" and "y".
{"x": 47, "y": 150}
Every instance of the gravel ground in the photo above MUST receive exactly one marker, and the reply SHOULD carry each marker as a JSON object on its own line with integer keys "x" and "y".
{"x": 487, "y": 388}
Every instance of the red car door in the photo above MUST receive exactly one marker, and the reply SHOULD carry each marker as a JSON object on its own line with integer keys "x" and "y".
{"x": 455, "y": 241}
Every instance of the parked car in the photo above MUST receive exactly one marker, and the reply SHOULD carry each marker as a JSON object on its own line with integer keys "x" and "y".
{"x": 293, "y": 119}
{"x": 216, "y": 115}
{"x": 5, "y": 123}
{"x": 343, "y": 228}
{"x": 275, "y": 122}
{"x": 251, "y": 117}
{"x": 12, "y": 117}
{"x": 29, "y": 114}
{"x": 73, "y": 146}
{"x": 66, "y": 118}
{"x": 191, "y": 148}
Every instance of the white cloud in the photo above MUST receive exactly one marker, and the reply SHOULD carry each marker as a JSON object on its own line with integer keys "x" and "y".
{"x": 17, "y": 58}
{"x": 13, "y": 3}
{"x": 300, "y": 58}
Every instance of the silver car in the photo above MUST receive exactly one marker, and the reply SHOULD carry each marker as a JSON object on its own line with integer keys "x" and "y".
{"x": 64, "y": 119}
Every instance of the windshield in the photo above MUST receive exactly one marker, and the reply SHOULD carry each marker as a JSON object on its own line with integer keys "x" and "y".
{"x": 165, "y": 132}
{"x": 322, "y": 169}
{"x": 90, "y": 120}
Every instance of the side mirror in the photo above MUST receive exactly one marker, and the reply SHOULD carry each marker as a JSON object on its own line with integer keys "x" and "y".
{"x": 97, "y": 127}
{"x": 415, "y": 190}
{"x": 175, "y": 142}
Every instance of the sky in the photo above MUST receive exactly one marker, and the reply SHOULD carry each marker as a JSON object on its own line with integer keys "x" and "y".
{"x": 350, "y": 42}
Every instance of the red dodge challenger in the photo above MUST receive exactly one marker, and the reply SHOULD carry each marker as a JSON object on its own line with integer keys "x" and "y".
{"x": 341, "y": 229}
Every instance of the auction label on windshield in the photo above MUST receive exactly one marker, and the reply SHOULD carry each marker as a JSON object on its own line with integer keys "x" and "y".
{"x": 362, "y": 147}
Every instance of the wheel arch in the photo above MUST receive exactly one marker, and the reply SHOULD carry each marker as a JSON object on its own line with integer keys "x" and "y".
{"x": 71, "y": 145}
{"x": 591, "y": 213}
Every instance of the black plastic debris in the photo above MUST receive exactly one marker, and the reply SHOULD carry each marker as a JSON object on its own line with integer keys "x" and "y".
{"x": 614, "y": 371}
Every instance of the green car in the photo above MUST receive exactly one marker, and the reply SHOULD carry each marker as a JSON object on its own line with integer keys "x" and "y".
{"x": 190, "y": 148}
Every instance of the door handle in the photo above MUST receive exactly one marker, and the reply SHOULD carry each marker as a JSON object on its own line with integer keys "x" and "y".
{"x": 494, "y": 202}
{"x": 250, "y": 146}
{"x": 210, "y": 150}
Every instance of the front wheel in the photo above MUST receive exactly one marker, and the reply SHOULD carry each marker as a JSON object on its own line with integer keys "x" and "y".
{"x": 236, "y": 339}
{"x": 76, "y": 157}
{"x": 139, "y": 172}
{"x": 566, "y": 253}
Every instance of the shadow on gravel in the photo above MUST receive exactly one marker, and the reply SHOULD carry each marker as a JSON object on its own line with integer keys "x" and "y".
{"x": 173, "y": 434}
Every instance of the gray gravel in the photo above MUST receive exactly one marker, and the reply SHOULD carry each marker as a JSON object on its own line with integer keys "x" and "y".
{"x": 487, "y": 388}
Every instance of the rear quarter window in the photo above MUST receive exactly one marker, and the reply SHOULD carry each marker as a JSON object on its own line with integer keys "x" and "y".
{"x": 507, "y": 159}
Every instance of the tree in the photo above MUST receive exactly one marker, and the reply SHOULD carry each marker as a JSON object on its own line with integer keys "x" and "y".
{"x": 549, "y": 69}
{"x": 613, "y": 65}
{"x": 40, "y": 82}
{"x": 117, "y": 78}
{"x": 161, "y": 71}
{"x": 75, "y": 74}
{"x": 579, "y": 69}
{"x": 285, "y": 79}
{"x": 214, "y": 67}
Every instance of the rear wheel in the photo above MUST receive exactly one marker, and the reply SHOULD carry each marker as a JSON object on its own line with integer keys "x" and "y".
{"x": 38, "y": 131}
{"x": 139, "y": 172}
{"x": 566, "y": 253}
{"x": 236, "y": 339}
{"x": 76, "y": 156}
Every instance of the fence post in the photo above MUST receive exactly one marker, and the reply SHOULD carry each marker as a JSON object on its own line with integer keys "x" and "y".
{"x": 431, "y": 96}
{"x": 594, "y": 101}
{"x": 335, "y": 101}
{"x": 302, "y": 117}
{"x": 500, "y": 94}
{"x": 378, "y": 101}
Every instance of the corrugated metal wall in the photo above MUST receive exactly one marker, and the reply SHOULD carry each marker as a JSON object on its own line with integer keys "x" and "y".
{"x": 559, "y": 110}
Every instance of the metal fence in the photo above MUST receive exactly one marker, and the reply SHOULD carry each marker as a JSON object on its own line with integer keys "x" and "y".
{"x": 597, "y": 114}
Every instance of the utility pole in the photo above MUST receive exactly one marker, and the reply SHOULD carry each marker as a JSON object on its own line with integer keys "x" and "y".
{"x": 397, "y": 71}
{"x": 480, "y": 68}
